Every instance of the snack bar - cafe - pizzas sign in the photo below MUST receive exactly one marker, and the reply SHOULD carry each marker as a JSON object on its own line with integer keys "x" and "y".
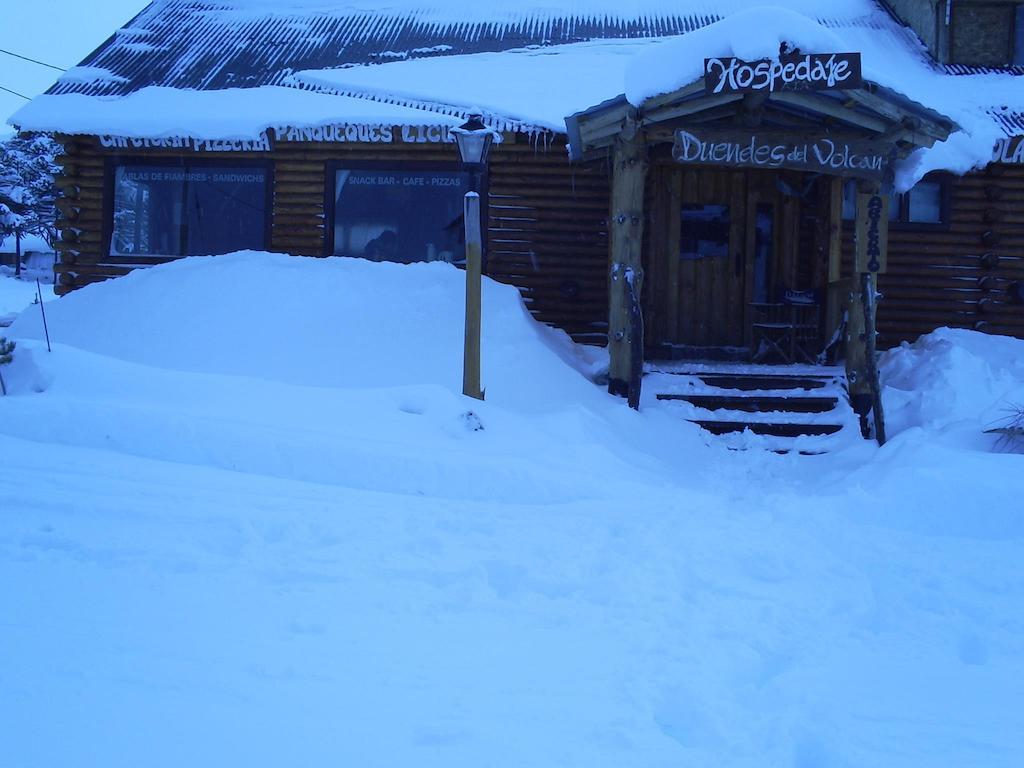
{"x": 792, "y": 72}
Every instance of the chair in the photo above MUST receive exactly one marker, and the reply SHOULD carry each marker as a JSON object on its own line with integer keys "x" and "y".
{"x": 786, "y": 331}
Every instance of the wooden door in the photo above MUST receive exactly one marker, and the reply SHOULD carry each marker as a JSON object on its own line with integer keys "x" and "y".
{"x": 717, "y": 241}
{"x": 712, "y": 264}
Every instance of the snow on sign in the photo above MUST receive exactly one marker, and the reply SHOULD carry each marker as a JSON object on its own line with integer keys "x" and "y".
{"x": 743, "y": 149}
{"x": 792, "y": 72}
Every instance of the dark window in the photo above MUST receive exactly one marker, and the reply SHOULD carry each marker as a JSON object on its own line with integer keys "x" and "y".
{"x": 1018, "y": 37}
{"x": 923, "y": 204}
{"x": 982, "y": 34}
{"x": 387, "y": 214}
{"x": 705, "y": 232}
{"x": 763, "y": 240}
{"x": 188, "y": 210}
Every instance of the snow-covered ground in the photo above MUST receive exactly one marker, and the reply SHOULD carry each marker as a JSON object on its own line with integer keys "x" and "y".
{"x": 18, "y": 293}
{"x": 246, "y": 518}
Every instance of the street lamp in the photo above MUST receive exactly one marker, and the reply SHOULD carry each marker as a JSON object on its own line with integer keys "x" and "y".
{"x": 474, "y": 140}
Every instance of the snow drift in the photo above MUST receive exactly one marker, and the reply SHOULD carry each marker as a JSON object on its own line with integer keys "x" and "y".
{"x": 251, "y": 520}
{"x": 954, "y": 382}
{"x": 351, "y": 370}
{"x": 331, "y": 322}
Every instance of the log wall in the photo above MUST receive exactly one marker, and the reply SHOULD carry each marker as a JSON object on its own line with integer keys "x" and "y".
{"x": 547, "y": 233}
{"x": 960, "y": 276}
{"x": 546, "y": 219}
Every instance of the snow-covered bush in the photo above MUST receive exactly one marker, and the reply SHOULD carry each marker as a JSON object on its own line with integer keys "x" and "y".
{"x": 1010, "y": 429}
{"x": 6, "y": 356}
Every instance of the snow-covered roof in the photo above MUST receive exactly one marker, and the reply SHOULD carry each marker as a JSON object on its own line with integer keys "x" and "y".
{"x": 529, "y": 87}
{"x": 230, "y": 69}
{"x": 229, "y": 114}
{"x": 203, "y": 44}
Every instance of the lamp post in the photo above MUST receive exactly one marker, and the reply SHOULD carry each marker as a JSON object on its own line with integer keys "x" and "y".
{"x": 474, "y": 140}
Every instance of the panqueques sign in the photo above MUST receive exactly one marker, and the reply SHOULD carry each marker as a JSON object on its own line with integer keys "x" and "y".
{"x": 792, "y": 72}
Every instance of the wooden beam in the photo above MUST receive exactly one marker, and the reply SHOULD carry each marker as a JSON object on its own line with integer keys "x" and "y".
{"x": 870, "y": 234}
{"x": 691, "y": 107}
{"x": 834, "y": 249}
{"x": 827, "y": 106}
{"x": 895, "y": 113}
{"x": 625, "y": 322}
{"x": 675, "y": 207}
{"x": 471, "y": 354}
{"x": 697, "y": 86}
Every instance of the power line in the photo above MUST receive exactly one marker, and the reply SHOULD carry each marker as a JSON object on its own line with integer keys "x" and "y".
{"x": 22, "y": 95}
{"x": 34, "y": 61}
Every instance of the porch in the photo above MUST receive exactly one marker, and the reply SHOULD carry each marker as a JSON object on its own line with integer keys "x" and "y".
{"x": 727, "y": 215}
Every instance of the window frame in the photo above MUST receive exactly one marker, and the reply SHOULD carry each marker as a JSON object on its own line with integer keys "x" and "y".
{"x": 455, "y": 166}
{"x": 902, "y": 222}
{"x": 111, "y": 164}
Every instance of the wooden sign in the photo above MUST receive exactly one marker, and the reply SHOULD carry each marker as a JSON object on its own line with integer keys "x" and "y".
{"x": 745, "y": 149}
{"x": 871, "y": 233}
{"x": 792, "y": 72}
{"x": 365, "y": 133}
{"x": 1009, "y": 151}
{"x": 262, "y": 144}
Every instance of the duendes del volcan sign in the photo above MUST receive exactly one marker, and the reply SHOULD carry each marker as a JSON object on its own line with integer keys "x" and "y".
{"x": 792, "y": 72}
{"x": 768, "y": 151}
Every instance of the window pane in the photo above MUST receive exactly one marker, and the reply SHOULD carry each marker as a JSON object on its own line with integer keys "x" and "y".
{"x": 896, "y": 202}
{"x": 187, "y": 210}
{"x": 225, "y": 210}
{"x": 763, "y": 240}
{"x": 705, "y": 232}
{"x": 849, "y": 200}
{"x": 402, "y": 216}
{"x": 1018, "y": 48}
{"x": 926, "y": 203}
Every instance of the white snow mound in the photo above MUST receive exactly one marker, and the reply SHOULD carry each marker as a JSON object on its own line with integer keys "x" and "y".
{"x": 329, "y": 322}
{"x": 952, "y": 380}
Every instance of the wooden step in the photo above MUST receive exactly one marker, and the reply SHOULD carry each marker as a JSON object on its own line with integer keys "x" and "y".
{"x": 748, "y": 382}
{"x": 775, "y": 429}
{"x": 757, "y": 403}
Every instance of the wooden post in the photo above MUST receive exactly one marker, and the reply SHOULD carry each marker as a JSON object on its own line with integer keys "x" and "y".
{"x": 870, "y": 248}
{"x": 625, "y": 320}
{"x": 17, "y": 253}
{"x": 834, "y": 307}
{"x": 474, "y": 250}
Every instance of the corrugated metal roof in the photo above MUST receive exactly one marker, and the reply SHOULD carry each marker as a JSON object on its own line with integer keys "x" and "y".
{"x": 1011, "y": 122}
{"x": 203, "y": 44}
{"x": 970, "y": 69}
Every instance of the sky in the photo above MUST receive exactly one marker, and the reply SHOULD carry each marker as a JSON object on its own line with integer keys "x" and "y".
{"x": 58, "y": 32}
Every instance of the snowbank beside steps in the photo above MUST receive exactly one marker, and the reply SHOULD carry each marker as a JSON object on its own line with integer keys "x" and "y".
{"x": 331, "y": 322}
{"x": 953, "y": 381}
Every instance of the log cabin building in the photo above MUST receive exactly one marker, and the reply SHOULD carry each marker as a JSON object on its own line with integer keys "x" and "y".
{"x": 650, "y": 190}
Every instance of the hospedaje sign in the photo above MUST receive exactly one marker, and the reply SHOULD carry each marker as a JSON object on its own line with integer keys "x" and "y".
{"x": 771, "y": 151}
{"x": 791, "y": 72}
